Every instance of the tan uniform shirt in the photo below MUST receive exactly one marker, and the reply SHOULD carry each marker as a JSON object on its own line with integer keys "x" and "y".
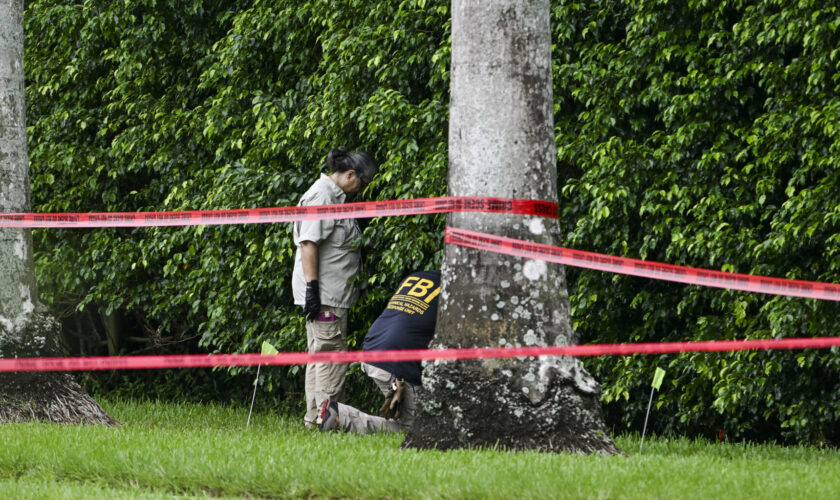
{"x": 338, "y": 243}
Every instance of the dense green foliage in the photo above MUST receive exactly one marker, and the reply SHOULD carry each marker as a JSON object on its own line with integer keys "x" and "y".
{"x": 207, "y": 105}
{"x": 706, "y": 134}
{"x": 205, "y": 451}
{"x": 696, "y": 133}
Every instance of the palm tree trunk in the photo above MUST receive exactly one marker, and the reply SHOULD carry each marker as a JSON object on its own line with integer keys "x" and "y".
{"x": 26, "y": 328}
{"x": 501, "y": 143}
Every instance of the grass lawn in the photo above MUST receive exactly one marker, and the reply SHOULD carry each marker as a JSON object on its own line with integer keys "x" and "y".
{"x": 184, "y": 451}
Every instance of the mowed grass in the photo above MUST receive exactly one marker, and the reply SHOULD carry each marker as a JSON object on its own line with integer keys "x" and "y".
{"x": 174, "y": 451}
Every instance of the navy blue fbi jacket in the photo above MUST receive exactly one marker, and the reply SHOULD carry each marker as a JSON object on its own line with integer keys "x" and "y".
{"x": 407, "y": 323}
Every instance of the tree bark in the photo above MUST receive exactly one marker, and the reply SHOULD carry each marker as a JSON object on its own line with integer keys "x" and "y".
{"x": 26, "y": 328}
{"x": 501, "y": 143}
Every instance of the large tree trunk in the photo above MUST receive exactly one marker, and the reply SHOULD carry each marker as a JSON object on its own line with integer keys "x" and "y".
{"x": 501, "y": 143}
{"x": 26, "y": 329}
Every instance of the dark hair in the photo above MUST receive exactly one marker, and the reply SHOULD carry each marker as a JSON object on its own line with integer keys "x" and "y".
{"x": 342, "y": 160}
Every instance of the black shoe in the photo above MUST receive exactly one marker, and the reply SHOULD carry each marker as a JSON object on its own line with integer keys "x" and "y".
{"x": 329, "y": 416}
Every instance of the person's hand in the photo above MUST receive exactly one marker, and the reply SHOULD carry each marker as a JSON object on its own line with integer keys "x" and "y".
{"x": 312, "y": 306}
{"x": 391, "y": 406}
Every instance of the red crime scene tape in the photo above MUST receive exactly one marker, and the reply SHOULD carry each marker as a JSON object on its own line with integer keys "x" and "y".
{"x": 646, "y": 269}
{"x": 472, "y": 239}
{"x": 417, "y": 206}
{"x": 298, "y": 358}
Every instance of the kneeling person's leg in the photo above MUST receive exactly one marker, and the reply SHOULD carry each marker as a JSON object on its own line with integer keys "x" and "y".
{"x": 339, "y": 416}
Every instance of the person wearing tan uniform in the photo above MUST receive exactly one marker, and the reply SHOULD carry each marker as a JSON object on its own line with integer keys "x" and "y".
{"x": 327, "y": 258}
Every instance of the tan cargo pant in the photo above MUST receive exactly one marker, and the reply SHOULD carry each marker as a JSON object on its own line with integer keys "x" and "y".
{"x": 325, "y": 380}
{"x": 353, "y": 420}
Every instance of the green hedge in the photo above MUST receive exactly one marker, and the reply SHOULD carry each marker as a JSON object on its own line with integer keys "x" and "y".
{"x": 695, "y": 133}
{"x": 204, "y": 105}
{"x": 705, "y": 134}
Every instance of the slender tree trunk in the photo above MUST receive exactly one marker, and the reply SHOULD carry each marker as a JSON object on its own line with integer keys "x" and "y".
{"x": 26, "y": 329}
{"x": 501, "y": 143}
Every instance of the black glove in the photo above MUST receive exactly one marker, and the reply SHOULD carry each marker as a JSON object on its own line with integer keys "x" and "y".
{"x": 312, "y": 306}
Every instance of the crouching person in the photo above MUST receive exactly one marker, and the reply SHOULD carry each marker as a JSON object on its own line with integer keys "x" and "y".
{"x": 408, "y": 322}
